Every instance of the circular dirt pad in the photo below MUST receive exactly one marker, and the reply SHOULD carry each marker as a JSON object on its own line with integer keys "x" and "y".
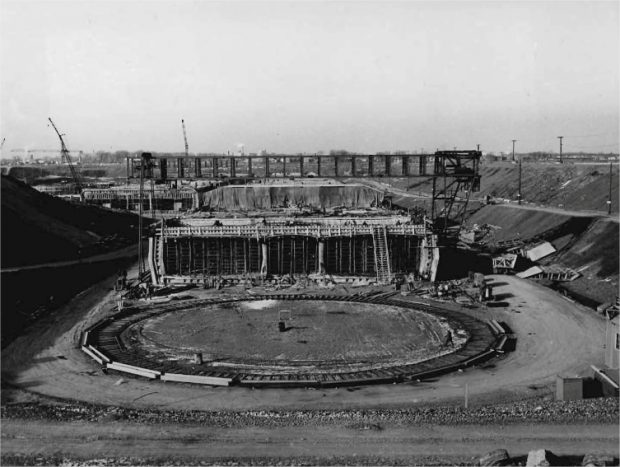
{"x": 297, "y": 340}
{"x": 313, "y": 332}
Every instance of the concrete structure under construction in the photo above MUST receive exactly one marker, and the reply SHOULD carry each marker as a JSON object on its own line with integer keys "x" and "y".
{"x": 198, "y": 250}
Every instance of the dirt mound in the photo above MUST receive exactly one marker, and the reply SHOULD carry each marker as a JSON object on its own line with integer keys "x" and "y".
{"x": 283, "y": 196}
{"x": 38, "y": 228}
{"x": 571, "y": 186}
{"x": 42, "y": 174}
{"x": 588, "y": 244}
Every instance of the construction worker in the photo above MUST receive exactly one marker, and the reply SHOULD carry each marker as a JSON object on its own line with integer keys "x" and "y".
{"x": 449, "y": 341}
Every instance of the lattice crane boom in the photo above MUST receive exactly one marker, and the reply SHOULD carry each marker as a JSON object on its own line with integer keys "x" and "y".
{"x": 185, "y": 138}
{"x": 65, "y": 157}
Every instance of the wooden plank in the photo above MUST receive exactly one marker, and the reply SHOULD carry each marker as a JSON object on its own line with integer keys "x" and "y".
{"x": 209, "y": 380}
{"x": 132, "y": 370}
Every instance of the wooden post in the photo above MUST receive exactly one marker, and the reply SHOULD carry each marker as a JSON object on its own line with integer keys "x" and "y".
{"x": 370, "y": 166}
{"x": 318, "y": 166}
{"x": 466, "y": 395}
{"x": 301, "y": 166}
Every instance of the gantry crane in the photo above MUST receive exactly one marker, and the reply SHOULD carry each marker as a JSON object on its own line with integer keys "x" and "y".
{"x": 65, "y": 157}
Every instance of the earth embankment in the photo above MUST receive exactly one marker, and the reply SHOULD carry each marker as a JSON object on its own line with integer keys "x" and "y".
{"x": 568, "y": 186}
{"x": 38, "y": 228}
{"x": 585, "y": 243}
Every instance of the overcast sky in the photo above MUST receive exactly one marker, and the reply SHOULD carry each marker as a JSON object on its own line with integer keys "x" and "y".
{"x": 310, "y": 76}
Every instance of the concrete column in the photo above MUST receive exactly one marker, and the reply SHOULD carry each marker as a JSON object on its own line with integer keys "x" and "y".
{"x": 321, "y": 258}
{"x": 151, "y": 203}
{"x": 263, "y": 266}
{"x": 127, "y": 202}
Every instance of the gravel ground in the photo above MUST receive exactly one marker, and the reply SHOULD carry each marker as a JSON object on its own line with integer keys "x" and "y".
{"x": 270, "y": 461}
{"x": 600, "y": 410}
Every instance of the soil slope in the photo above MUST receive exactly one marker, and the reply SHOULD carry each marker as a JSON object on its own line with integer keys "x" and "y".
{"x": 570, "y": 186}
{"x": 38, "y": 228}
{"x": 587, "y": 244}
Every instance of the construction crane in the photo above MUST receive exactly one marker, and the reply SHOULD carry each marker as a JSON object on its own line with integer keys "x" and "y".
{"x": 65, "y": 157}
{"x": 185, "y": 138}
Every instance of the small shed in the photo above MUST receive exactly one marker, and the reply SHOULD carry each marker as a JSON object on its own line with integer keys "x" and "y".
{"x": 568, "y": 388}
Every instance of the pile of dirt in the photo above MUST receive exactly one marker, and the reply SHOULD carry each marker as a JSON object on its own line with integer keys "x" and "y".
{"x": 38, "y": 228}
{"x": 587, "y": 244}
{"x": 233, "y": 198}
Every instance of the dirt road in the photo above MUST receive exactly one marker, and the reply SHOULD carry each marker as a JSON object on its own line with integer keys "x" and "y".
{"x": 530, "y": 207}
{"x": 126, "y": 252}
{"x": 386, "y": 444}
{"x": 555, "y": 336}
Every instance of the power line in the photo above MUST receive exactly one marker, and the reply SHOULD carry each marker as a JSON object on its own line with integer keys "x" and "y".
{"x": 589, "y": 136}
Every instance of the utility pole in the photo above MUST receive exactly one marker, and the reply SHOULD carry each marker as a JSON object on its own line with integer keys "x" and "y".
{"x": 609, "y": 199}
{"x": 519, "y": 193}
{"x": 560, "y": 138}
{"x": 513, "y": 149}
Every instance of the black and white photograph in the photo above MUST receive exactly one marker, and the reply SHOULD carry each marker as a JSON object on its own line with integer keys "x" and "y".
{"x": 309, "y": 233}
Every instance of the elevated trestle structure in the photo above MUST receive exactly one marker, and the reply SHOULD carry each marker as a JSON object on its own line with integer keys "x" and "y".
{"x": 454, "y": 174}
